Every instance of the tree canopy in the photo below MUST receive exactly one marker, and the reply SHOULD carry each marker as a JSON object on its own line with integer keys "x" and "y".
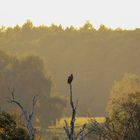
{"x": 96, "y": 56}
{"x": 28, "y": 77}
{"x": 124, "y": 107}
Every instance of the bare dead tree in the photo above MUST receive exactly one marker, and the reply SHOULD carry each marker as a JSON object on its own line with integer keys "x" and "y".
{"x": 70, "y": 128}
{"x": 28, "y": 116}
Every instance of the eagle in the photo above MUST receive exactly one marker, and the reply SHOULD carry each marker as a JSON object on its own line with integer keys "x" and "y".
{"x": 70, "y": 78}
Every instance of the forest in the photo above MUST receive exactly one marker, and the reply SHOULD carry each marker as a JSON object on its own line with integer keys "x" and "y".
{"x": 35, "y": 61}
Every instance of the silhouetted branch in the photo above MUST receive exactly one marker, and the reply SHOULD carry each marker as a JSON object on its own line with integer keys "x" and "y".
{"x": 80, "y": 133}
{"x": 27, "y": 115}
{"x": 70, "y": 131}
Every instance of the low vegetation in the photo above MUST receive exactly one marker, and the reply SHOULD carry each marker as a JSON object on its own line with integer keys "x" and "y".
{"x": 121, "y": 123}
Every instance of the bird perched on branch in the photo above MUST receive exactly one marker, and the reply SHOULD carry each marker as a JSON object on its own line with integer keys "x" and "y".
{"x": 70, "y": 78}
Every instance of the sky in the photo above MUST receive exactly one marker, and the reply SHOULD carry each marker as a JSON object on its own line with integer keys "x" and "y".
{"x": 112, "y": 13}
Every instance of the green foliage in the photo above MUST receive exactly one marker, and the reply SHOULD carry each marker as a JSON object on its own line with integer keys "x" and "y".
{"x": 124, "y": 91}
{"x": 9, "y": 130}
{"x": 21, "y": 134}
{"x": 124, "y": 107}
{"x": 7, "y": 126}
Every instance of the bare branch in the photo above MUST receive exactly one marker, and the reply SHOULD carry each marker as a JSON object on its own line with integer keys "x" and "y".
{"x": 34, "y": 101}
{"x": 27, "y": 115}
{"x": 81, "y": 131}
{"x": 66, "y": 128}
{"x": 70, "y": 131}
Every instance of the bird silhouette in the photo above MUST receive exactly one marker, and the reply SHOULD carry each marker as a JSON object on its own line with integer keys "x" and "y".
{"x": 70, "y": 78}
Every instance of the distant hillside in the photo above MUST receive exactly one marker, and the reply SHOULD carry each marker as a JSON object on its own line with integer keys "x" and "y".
{"x": 95, "y": 57}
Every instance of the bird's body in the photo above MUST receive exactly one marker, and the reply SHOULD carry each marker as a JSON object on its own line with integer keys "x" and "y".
{"x": 70, "y": 78}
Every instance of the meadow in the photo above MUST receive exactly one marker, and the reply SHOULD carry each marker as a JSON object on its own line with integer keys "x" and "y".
{"x": 57, "y": 131}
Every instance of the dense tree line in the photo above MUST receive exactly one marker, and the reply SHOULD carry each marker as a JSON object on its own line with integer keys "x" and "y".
{"x": 96, "y": 56}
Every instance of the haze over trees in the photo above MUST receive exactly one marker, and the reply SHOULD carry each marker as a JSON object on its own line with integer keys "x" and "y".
{"x": 121, "y": 123}
{"x": 29, "y": 78}
{"x": 97, "y": 57}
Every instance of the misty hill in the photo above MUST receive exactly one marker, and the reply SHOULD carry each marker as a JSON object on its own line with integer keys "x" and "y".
{"x": 95, "y": 57}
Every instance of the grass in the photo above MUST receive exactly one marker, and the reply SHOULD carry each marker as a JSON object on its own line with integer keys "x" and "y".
{"x": 79, "y": 121}
{"x": 57, "y": 129}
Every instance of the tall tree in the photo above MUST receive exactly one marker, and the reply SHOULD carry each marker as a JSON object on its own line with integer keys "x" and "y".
{"x": 124, "y": 107}
{"x": 29, "y": 77}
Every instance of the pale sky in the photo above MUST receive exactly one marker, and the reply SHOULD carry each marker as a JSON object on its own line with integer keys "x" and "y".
{"x": 112, "y": 13}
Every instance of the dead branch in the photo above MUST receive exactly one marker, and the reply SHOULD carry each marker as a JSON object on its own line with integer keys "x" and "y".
{"x": 70, "y": 129}
{"x": 28, "y": 116}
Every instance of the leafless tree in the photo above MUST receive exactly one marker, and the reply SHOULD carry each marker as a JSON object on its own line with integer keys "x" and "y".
{"x": 70, "y": 128}
{"x": 28, "y": 115}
